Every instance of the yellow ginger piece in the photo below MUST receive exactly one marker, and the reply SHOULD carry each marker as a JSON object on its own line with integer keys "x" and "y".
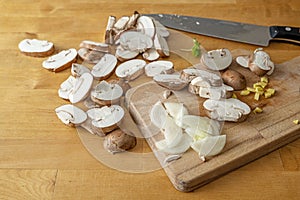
{"x": 296, "y": 121}
{"x": 234, "y": 96}
{"x": 245, "y": 92}
{"x": 264, "y": 79}
{"x": 257, "y": 110}
{"x": 256, "y": 96}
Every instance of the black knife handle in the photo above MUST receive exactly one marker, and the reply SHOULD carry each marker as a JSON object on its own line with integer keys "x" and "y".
{"x": 291, "y": 34}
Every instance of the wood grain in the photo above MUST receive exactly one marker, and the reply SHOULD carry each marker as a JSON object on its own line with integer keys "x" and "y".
{"x": 42, "y": 159}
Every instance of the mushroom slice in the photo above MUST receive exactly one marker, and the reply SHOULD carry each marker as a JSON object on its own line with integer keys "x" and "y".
{"x": 196, "y": 125}
{"x": 160, "y": 29}
{"x": 159, "y": 67}
{"x": 78, "y": 69}
{"x": 90, "y": 56}
{"x": 96, "y": 46}
{"x": 133, "y": 20}
{"x": 176, "y": 111}
{"x": 170, "y": 81}
{"x": 76, "y": 89}
{"x": 60, "y": 61}
{"x": 105, "y": 67}
{"x": 124, "y": 54}
{"x": 106, "y": 118}
{"x": 203, "y": 87}
{"x": 106, "y": 93}
{"x": 158, "y": 115}
{"x": 109, "y": 39}
{"x": 71, "y": 115}
{"x": 161, "y": 46}
{"x": 182, "y": 146}
{"x": 151, "y": 54}
{"x": 118, "y": 141}
{"x": 227, "y": 109}
{"x": 36, "y": 48}
{"x": 259, "y": 62}
{"x": 135, "y": 41}
{"x": 131, "y": 69}
{"x": 218, "y": 59}
{"x": 190, "y": 73}
{"x": 121, "y": 23}
{"x": 146, "y": 26}
{"x": 209, "y": 146}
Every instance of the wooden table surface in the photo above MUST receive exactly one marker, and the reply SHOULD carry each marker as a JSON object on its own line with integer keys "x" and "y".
{"x": 40, "y": 158}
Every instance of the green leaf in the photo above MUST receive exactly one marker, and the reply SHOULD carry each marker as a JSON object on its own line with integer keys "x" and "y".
{"x": 196, "y": 50}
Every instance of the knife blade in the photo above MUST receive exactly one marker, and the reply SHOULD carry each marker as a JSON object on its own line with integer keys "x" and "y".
{"x": 229, "y": 30}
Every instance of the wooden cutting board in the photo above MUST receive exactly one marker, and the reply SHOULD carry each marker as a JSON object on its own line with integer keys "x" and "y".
{"x": 246, "y": 141}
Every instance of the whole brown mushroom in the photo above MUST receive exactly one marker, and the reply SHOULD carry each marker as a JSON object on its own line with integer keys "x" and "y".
{"x": 118, "y": 141}
{"x": 234, "y": 79}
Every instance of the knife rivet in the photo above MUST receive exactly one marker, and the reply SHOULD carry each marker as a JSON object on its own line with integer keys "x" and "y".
{"x": 288, "y": 28}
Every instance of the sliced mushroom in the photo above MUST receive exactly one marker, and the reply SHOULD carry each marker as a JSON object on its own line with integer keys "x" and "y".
{"x": 109, "y": 39}
{"x": 132, "y": 20}
{"x": 60, "y": 61}
{"x": 161, "y": 46}
{"x": 170, "y": 81}
{"x": 124, "y": 54}
{"x": 259, "y": 62}
{"x": 227, "y": 109}
{"x": 122, "y": 83}
{"x": 106, "y": 118}
{"x": 135, "y": 41}
{"x": 151, "y": 55}
{"x": 190, "y": 73}
{"x": 71, "y": 115}
{"x": 90, "y": 56}
{"x": 203, "y": 87}
{"x": 76, "y": 89}
{"x": 118, "y": 141}
{"x": 95, "y": 46}
{"x": 105, "y": 67}
{"x": 121, "y": 23}
{"x": 131, "y": 69}
{"x": 234, "y": 79}
{"x": 218, "y": 59}
{"x": 106, "y": 93}
{"x": 36, "y": 48}
{"x": 146, "y": 26}
{"x": 209, "y": 146}
{"x": 78, "y": 69}
{"x": 159, "y": 67}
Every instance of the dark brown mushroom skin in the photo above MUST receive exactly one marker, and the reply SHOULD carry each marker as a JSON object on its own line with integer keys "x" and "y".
{"x": 234, "y": 79}
{"x": 118, "y": 141}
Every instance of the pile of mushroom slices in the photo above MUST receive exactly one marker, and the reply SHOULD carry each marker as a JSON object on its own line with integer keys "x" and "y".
{"x": 182, "y": 131}
{"x": 128, "y": 37}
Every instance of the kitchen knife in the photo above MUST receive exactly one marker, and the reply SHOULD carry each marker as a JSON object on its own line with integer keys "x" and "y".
{"x": 235, "y": 31}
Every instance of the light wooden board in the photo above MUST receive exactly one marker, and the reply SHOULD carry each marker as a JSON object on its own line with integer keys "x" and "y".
{"x": 246, "y": 141}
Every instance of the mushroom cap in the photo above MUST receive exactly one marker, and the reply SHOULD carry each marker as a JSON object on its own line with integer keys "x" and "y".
{"x": 218, "y": 59}
{"x": 104, "y": 67}
{"x": 234, "y": 79}
{"x": 107, "y": 91}
{"x": 158, "y": 67}
{"x": 70, "y": 114}
{"x": 118, "y": 141}
{"x": 106, "y": 116}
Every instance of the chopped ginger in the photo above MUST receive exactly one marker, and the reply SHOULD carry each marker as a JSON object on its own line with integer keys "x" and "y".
{"x": 296, "y": 121}
{"x": 264, "y": 79}
{"x": 234, "y": 96}
{"x": 245, "y": 92}
{"x": 256, "y": 96}
{"x": 257, "y": 110}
